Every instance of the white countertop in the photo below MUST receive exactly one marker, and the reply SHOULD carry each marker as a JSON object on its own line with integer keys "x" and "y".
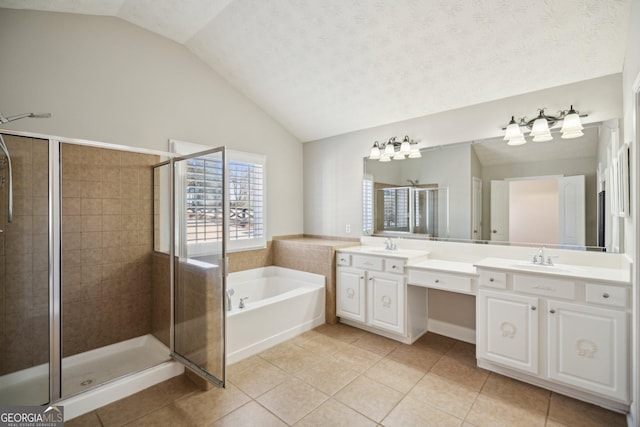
{"x": 581, "y": 272}
{"x": 406, "y": 254}
{"x": 446, "y": 266}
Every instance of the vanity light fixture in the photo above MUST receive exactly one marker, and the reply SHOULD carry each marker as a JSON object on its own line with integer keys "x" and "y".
{"x": 396, "y": 150}
{"x": 541, "y": 125}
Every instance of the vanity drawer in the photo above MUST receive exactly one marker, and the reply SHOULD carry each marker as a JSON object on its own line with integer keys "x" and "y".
{"x": 343, "y": 260}
{"x": 492, "y": 279}
{"x": 556, "y": 288}
{"x": 367, "y": 262}
{"x": 615, "y": 296}
{"x": 447, "y": 282}
{"x": 394, "y": 266}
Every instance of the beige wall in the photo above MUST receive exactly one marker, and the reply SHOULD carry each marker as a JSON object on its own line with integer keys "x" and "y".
{"x": 106, "y": 80}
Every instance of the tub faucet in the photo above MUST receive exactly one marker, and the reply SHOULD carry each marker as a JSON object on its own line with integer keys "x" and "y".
{"x": 229, "y": 293}
{"x": 241, "y": 305}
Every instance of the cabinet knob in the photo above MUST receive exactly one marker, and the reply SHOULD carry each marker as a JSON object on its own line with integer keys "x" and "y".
{"x": 394, "y": 266}
{"x": 552, "y": 311}
{"x": 494, "y": 231}
{"x": 533, "y": 307}
{"x": 361, "y": 277}
{"x": 370, "y": 278}
{"x": 491, "y": 279}
{"x": 605, "y": 295}
{"x": 437, "y": 280}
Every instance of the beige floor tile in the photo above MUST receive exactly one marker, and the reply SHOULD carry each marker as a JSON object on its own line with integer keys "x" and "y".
{"x": 87, "y": 420}
{"x": 463, "y": 352}
{"x": 324, "y": 345}
{"x": 438, "y": 343}
{"x": 123, "y": 411}
{"x": 516, "y": 393}
{"x": 572, "y": 412}
{"x": 335, "y": 414}
{"x": 551, "y": 423}
{"x": 204, "y": 408}
{"x": 250, "y": 415}
{"x": 414, "y": 413}
{"x": 357, "y": 358}
{"x": 177, "y": 388}
{"x": 487, "y": 411}
{"x": 369, "y": 397}
{"x": 167, "y": 416}
{"x": 444, "y": 394}
{"x": 304, "y": 337}
{"x": 328, "y": 376}
{"x": 394, "y": 374}
{"x": 419, "y": 358}
{"x": 292, "y": 400}
{"x": 262, "y": 377}
{"x": 376, "y": 344}
{"x": 340, "y": 332}
{"x": 243, "y": 365}
{"x": 462, "y": 373}
{"x": 292, "y": 358}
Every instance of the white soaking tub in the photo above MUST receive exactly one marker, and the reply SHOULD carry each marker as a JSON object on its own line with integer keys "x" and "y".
{"x": 281, "y": 304}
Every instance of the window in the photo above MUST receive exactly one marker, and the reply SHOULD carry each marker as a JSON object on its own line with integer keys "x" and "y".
{"x": 203, "y": 199}
{"x": 367, "y": 205}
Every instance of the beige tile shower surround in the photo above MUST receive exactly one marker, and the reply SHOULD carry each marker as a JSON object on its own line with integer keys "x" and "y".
{"x": 336, "y": 375}
{"x": 107, "y": 239}
{"x": 24, "y": 263}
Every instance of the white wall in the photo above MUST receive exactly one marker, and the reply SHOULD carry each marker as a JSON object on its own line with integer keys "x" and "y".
{"x": 631, "y": 134}
{"x": 106, "y": 80}
{"x": 333, "y": 166}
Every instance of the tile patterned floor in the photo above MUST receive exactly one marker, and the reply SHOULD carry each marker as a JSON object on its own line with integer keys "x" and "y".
{"x": 341, "y": 376}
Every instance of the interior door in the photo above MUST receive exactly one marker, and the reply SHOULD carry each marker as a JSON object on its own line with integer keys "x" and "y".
{"x": 499, "y": 210}
{"x": 572, "y": 210}
{"x": 198, "y": 248}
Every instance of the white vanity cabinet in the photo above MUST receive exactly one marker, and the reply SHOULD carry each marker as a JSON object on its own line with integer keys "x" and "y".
{"x": 372, "y": 294}
{"x": 507, "y": 329}
{"x": 568, "y": 334}
{"x": 587, "y": 348}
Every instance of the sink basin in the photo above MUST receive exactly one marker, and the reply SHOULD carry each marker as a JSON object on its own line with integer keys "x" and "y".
{"x": 403, "y": 253}
{"x": 545, "y": 268}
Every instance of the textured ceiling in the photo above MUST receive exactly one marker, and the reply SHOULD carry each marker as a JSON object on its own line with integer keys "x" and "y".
{"x": 326, "y": 67}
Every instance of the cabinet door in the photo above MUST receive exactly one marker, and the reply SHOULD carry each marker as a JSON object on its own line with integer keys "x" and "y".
{"x": 588, "y": 348}
{"x": 350, "y": 287}
{"x": 385, "y": 295}
{"x": 508, "y": 330}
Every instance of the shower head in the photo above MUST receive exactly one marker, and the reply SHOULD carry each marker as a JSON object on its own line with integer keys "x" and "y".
{"x": 4, "y": 119}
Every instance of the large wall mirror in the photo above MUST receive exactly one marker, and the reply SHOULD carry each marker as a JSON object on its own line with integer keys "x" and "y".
{"x": 557, "y": 193}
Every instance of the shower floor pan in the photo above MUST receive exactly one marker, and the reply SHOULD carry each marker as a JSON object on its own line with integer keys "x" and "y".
{"x": 83, "y": 371}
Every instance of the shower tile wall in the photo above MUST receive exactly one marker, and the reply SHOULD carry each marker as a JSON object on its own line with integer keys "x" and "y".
{"x": 24, "y": 256}
{"x": 107, "y": 242}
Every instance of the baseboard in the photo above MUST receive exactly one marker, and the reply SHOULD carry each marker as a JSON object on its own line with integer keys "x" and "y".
{"x": 452, "y": 330}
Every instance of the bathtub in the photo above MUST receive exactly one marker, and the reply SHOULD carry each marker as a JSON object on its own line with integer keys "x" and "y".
{"x": 281, "y": 304}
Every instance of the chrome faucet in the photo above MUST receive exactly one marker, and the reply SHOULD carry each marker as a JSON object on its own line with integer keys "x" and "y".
{"x": 229, "y": 293}
{"x": 389, "y": 245}
{"x": 540, "y": 258}
{"x": 241, "y": 305}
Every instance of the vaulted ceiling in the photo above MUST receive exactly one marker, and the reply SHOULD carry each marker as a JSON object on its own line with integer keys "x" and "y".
{"x": 326, "y": 67}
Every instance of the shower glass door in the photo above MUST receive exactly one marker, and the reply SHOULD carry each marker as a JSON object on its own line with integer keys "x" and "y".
{"x": 24, "y": 271}
{"x": 200, "y": 217}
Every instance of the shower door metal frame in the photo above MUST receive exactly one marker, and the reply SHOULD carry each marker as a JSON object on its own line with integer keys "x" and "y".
{"x": 55, "y": 278}
{"x": 193, "y": 367}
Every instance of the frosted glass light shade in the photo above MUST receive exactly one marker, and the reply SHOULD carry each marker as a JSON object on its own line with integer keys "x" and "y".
{"x": 415, "y": 152}
{"x": 540, "y": 130}
{"x": 517, "y": 141}
{"x": 571, "y": 135}
{"x": 512, "y": 131}
{"x": 405, "y": 147}
{"x": 385, "y": 158}
{"x": 389, "y": 150}
{"x": 398, "y": 156}
{"x": 571, "y": 123}
{"x": 375, "y": 152}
